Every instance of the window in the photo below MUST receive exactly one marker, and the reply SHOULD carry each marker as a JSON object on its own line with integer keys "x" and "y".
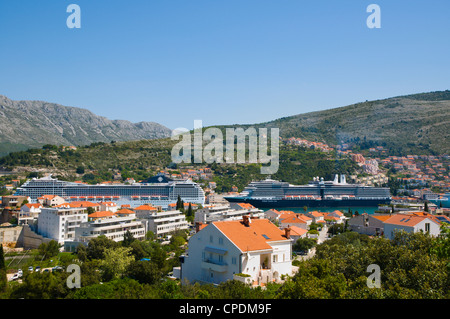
{"x": 427, "y": 227}
{"x": 220, "y": 241}
{"x": 210, "y": 238}
{"x": 233, "y": 260}
{"x": 275, "y": 258}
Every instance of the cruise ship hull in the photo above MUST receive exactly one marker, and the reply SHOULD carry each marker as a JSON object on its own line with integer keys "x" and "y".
{"x": 285, "y": 203}
{"x": 317, "y": 193}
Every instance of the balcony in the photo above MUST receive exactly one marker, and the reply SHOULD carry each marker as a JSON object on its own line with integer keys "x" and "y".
{"x": 214, "y": 265}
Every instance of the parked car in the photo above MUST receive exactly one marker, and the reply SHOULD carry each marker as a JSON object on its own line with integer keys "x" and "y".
{"x": 15, "y": 276}
{"x": 38, "y": 269}
{"x": 30, "y": 269}
{"x": 20, "y": 272}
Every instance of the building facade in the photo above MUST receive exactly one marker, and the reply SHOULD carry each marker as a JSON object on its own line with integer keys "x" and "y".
{"x": 222, "y": 250}
{"x": 113, "y": 227}
{"x": 60, "y": 223}
{"x": 163, "y": 223}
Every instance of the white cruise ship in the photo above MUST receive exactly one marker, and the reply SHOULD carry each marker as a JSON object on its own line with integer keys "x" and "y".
{"x": 158, "y": 191}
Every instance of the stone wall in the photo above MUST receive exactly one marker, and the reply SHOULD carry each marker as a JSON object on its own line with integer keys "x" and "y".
{"x": 21, "y": 236}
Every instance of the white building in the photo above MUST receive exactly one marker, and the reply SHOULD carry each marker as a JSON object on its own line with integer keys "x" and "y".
{"x": 316, "y": 216}
{"x": 113, "y": 228}
{"x": 110, "y": 206}
{"x": 163, "y": 223}
{"x": 29, "y": 213}
{"x": 216, "y": 199}
{"x": 210, "y": 214}
{"x": 223, "y": 249}
{"x": 410, "y": 224}
{"x": 51, "y": 200}
{"x": 60, "y": 223}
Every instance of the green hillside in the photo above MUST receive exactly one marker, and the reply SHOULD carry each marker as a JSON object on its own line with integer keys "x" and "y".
{"x": 413, "y": 124}
{"x": 98, "y": 162}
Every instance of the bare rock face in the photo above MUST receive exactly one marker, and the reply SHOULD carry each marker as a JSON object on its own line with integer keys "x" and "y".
{"x": 25, "y": 124}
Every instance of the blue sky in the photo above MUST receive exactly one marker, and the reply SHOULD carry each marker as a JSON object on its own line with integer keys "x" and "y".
{"x": 220, "y": 61}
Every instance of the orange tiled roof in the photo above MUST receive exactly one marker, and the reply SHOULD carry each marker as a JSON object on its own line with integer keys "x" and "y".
{"x": 251, "y": 238}
{"x": 145, "y": 207}
{"x": 382, "y": 217}
{"x": 83, "y": 204}
{"x": 125, "y": 211}
{"x": 101, "y": 214}
{"x": 405, "y": 220}
{"x": 338, "y": 212}
{"x": 304, "y": 217}
{"x": 316, "y": 214}
{"x": 292, "y": 219}
{"x": 47, "y": 197}
{"x": 297, "y": 231}
{"x": 246, "y": 205}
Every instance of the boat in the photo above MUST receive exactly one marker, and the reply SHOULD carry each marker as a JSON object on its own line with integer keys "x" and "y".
{"x": 441, "y": 200}
{"x": 158, "y": 190}
{"x": 271, "y": 193}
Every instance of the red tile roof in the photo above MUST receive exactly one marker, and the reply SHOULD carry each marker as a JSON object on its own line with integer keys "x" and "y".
{"x": 101, "y": 214}
{"x": 256, "y": 236}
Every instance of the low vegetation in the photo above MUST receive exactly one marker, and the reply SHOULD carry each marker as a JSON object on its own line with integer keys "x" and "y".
{"x": 412, "y": 266}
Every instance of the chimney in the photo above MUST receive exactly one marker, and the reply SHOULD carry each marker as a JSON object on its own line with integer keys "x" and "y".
{"x": 287, "y": 232}
{"x": 246, "y": 220}
{"x": 197, "y": 226}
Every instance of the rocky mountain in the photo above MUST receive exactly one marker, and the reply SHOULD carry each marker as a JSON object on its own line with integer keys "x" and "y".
{"x": 25, "y": 124}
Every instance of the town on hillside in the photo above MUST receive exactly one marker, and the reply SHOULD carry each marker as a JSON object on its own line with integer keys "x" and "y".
{"x": 225, "y": 240}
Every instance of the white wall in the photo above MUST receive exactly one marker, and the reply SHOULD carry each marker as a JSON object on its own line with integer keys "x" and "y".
{"x": 389, "y": 229}
{"x": 192, "y": 269}
{"x": 236, "y": 262}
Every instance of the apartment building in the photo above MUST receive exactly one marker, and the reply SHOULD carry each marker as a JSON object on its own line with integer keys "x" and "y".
{"x": 212, "y": 213}
{"x": 164, "y": 222}
{"x": 112, "y": 226}
{"x": 60, "y": 223}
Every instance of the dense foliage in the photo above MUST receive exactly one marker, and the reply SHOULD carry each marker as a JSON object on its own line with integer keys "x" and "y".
{"x": 412, "y": 266}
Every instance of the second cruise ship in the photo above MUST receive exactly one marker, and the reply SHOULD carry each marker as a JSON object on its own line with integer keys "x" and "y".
{"x": 317, "y": 193}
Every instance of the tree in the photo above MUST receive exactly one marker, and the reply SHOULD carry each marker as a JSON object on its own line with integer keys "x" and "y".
{"x": 49, "y": 249}
{"x": 128, "y": 239}
{"x": 150, "y": 235}
{"x": 80, "y": 170}
{"x": 190, "y": 214}
{"x": 304, "y": 244}
{"x": 81, "y": 252}
{"x": 3, "y": 277}
{"x": 144, "y": 271}
{"x": 98, "y": 245}
{"x": 336, "y": 229}
{"x": 115, "y": 262}
{"x": 179, "y": 203}
{"x": 42, "y": 286}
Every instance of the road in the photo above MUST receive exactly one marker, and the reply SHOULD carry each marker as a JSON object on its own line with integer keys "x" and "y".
{"x": 10, "y": 276}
